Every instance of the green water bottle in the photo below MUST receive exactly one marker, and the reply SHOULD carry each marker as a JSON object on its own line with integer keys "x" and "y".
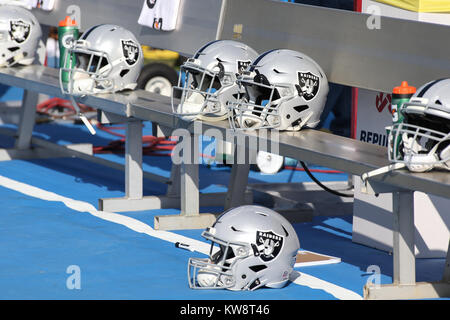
{"x": 400, "y": 95}
{"x": 67, "y": 33}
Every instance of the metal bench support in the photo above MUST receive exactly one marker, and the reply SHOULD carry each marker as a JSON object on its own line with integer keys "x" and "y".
{"x": 404, "y": 284}
{"x": 403, "y": 232}
{"x": 27, "y": 119}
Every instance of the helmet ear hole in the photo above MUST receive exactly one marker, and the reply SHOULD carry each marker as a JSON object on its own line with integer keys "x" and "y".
{"x": 260, "y": 78}
{"x": 124, "y": 72}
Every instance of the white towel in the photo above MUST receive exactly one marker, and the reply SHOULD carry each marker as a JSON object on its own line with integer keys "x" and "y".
{"x": 160, "y": 14}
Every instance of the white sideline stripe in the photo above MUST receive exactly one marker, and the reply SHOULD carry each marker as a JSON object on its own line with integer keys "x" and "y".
{"x": 302, "y": 279}
{"x": 82, "y": 206}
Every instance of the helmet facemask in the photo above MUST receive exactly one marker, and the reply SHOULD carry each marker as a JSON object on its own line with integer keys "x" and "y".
{"x": 415, "y": 144}
{"x": 91, "y": 71}
{"x": 219, "y": 270}
{"x": 258, "y": 107}
{"x": 205, "y": 92}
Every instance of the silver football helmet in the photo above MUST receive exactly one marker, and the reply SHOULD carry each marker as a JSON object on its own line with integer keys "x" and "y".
{"x": 284, "y": 90}
{"x": 421, "y": 139}
{"x": 210, "y": 80}
{"x": 251, "y": 247}
{"x": 20, "y": 33}
{"x": 108, "y": 59}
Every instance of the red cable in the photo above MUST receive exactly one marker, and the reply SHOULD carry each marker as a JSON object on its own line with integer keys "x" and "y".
{"x": 110, "y": 130}
{"x": 47, "y": 105}
{"x": 152, "y": 144}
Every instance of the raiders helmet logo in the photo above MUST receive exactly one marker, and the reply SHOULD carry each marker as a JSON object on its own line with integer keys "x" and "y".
{"x": 130, "y": 51}
{"x": 151, "y": 3}
{"x": 269, "y": 245}
{"x": 19, "y": 30}
{"x": 308, "y": 84}
{"x": 242, "y": 65}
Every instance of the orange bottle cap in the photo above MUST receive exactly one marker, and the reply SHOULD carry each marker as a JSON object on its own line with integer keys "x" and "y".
{"x": 404, "y": 88}
{"x": 67, "y": 22}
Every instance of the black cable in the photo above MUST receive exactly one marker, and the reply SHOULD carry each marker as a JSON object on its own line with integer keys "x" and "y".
{"x": 323, "y": 186}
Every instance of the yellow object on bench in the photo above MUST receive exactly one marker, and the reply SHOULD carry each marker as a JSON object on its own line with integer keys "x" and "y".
{"x": 420, "y": 5}
{"x": 159, "y": 54}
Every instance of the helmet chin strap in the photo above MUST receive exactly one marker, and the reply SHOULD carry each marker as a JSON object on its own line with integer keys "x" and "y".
{"x": 213, "y": 119}
{"x": 204, "y": 117}
{"x": 209, "y": 277}
{"x": 191, "y": 105}
{"x": 422, "y": 162}
{"x": 82, "y": 86}
{"x": 82, "y": 116}
{"x": 423, "y": 166}
{"x": 13, "y": 60}
{"x": 193, "y": 108}
{"x": 248, "y": 123}
{"x": 410, "y": 144}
